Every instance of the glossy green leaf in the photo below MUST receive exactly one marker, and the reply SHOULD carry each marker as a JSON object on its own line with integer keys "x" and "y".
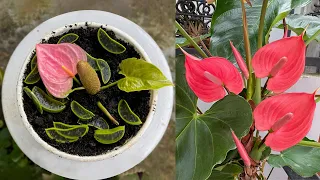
{"x": 80, "y": 111}
{"x": 33, "y": 62}
{"x": 68, "y": 38}
{"x": 226, "y": 24}
{"x": 53, "y": 134}
{"x": 109, "y": 136}
{"x": 97, "y": 122}
{"x": 104, "y": 70}
{"x": 48, "y": 104}
{"x": 5, "y": 138}
{"x": 108, "y": 43}
{"x": 34, "y": 98}
{"x": 140, "y": 75}
{"x": 182, "y": 42}
{"x": 60, "y": 125}
{"x": 33, "y": 77}
{"x": 298, "y": 23}
{"x": 229, "y": 172}
{"x": 127, "y": 114}
{"x": 93, "y": 62}
{"x": 198, "y": 136}
{"x": 303, "y": 160}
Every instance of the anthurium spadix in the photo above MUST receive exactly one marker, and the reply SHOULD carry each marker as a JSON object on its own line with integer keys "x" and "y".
{"x": 208, "y": 78}
{"x": 57, "y": 65}
{"x": 282, "y": 61}
{"x": 288, "y": 118}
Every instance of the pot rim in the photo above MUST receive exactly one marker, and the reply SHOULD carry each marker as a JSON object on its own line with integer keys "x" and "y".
{"x": 117, "y": 150}
{"x": 69, "y": 168}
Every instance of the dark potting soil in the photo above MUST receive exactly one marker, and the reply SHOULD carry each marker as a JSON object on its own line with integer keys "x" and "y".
{"x": 87, "y": 145}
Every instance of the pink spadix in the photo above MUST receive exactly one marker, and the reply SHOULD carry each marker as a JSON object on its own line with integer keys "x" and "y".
{"x": 281, "y": 122}
{"x": 277, "y": 67}
{"x": 242, "y": 151}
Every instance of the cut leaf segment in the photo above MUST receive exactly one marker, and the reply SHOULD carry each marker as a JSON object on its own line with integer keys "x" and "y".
{"x": 109, "y": 44}
{"x": 104, "y": 70}
{"x": 97, "y": 122}
{"x": 127, "y": 114}
{"x": 53, "y": 134}
{"x": 48, "y": 104}
{"x": 68, "y": 38}
{"x": 109, "y": 136}
{"x": 33, "y": 98}
{"x": 33, "y": 77}
{"x": 80, "y": 111}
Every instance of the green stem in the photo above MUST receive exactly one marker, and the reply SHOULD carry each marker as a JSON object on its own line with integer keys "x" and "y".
{"x": 317, "y": 100}
{"x": 312, "y": 37}
{"x": 75, "y": 89}
{"x": 265, "y": 86}
{"x": 192, "y": 42}
{"x": 309, "y": 144}
{"x": 109, "y": 85}
{"x": 248, "y": 51}
{"x": 76, "y": 80}
{"x": 257, "y": 92}
{"x": 106, "y": 112}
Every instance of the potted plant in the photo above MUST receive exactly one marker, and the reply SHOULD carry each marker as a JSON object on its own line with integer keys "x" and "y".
{"x": 225, "y": 142}
{"x": 87, "y": 94}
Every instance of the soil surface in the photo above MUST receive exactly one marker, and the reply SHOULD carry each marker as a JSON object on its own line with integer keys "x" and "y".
{"x": 87, "y": 145}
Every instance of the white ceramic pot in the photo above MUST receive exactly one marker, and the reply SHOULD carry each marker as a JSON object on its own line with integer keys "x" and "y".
{"x": 91, "y": 167}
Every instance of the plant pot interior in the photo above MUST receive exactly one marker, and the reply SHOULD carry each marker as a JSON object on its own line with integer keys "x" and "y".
{"x": 139, "y": 102}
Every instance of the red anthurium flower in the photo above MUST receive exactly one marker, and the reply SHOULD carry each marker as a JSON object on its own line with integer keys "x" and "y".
{"x": 286, "y": 57}
{"x": 240, "y": 61}
{"x": 242, "y": 151}
{"x": 208, "y": 77}
{"x": 57, "y": 65}
{"x": 288, "y": 117}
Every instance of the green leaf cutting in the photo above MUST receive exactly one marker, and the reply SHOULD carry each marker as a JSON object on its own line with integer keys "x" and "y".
{"x": 68, "y": 38}
{"x": 33, "y": 77}
{"x": 53, "y": 134}
{"x": 34, "y": 98}
{"x": 80, "y": 111}
{"x": 48, "y": 104}
{"x": 108, "y": 43}
{"x": 33, "y": 62}
{"x": 97, "y": 122}
{"x": 109, "y": 136}
{"x": 73, "y": 132}
{"x": 60, "y": 125}
{"x": 127, "y": 114}
{"x": 93, "y": 62}
{"x": 140, "y": 75}
{"x": 104, "y": 70}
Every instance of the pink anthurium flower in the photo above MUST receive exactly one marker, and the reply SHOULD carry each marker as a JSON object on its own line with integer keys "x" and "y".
{"x": 288, "y": 117}
{"x": 242, "y": 151}
{"x": 282, "y": 61}
{"x": 209, "y": 77}
{"x": 240, "y": 61}
{"x": 57, "y": 65}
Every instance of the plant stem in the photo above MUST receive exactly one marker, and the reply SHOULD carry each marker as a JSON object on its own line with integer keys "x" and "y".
{"x": 75, "y": 89}
{"x": 76, "y": 80}
{"x": 265, "y": 86}
{"x": 109, "y": 85}
{"x": 205, "y": 48}
{"x": 106, "y": 112}
{"x": 312, "y": 37}
{"x": 270, "y": 173}
{"x": 263, "y": 140}
{"x": 317, "y": 100}
{"x": 248, "y": 50}
{"x": 309, "y": 144}
{"x": 192, "y": 42}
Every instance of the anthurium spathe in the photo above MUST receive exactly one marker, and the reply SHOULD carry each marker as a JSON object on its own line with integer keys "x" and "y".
{"x": 57, "y": 65}
{"x": 286, "y": 57}
{"x": 288, "y": 117}
{"x": 208, "y": 78}
{"x": 242, "y": 151}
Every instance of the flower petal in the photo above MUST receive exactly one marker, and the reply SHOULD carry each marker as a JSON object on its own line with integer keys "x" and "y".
{"x": 242, "y": 151}
{"x": 220, "y": 68}
{"x": 51, "y": 58}
{"x": 269, "y": 111}
{"x": 268, "y": 56}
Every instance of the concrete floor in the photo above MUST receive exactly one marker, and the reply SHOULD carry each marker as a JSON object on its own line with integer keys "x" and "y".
{"x": 18, "y": 17}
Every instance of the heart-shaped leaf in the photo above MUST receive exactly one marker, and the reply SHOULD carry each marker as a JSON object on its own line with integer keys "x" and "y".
{"x": 108, "y": 43}
{"x": 97, "y": 122}
{"x": 198, "y": 135}
{"x": 93, "y": 62}
{"x": 33, "y": 77}
{"x": 33, "y": 98}
{"x": 227, "y": 18}
{"x": 305, "y": 161}
{"x": 104, "y": 70}
{"x": 60, "y": 125}
{"x": 68, "y": 38}
{"x": 80, "y": 111}
{"x": 53, "y": 134}
{"x": 140, "y": 75}
{"x": 57, "y": 65}
{"x": 229, "y": 172}
{"x": 109, "y": 136}
{"x": 127, "y": 114}
{"x": 48, "y": 104}
{"x": 33, "y": 62}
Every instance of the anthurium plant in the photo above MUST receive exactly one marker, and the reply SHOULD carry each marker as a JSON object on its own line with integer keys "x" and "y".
{"x": 224, "y": 141}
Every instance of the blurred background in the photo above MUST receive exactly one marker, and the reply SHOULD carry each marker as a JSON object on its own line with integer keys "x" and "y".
{"x": 19, "y": 17}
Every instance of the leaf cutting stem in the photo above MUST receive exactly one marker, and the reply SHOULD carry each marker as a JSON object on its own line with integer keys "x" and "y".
{"x": 109, "y": 85}
{"x": 106, "y": 112}
{"x": 312, "y": 37}
{"x": 192, "y": 42}
{"x": 248, "y": 50}
{"x": 309, "y": 144}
